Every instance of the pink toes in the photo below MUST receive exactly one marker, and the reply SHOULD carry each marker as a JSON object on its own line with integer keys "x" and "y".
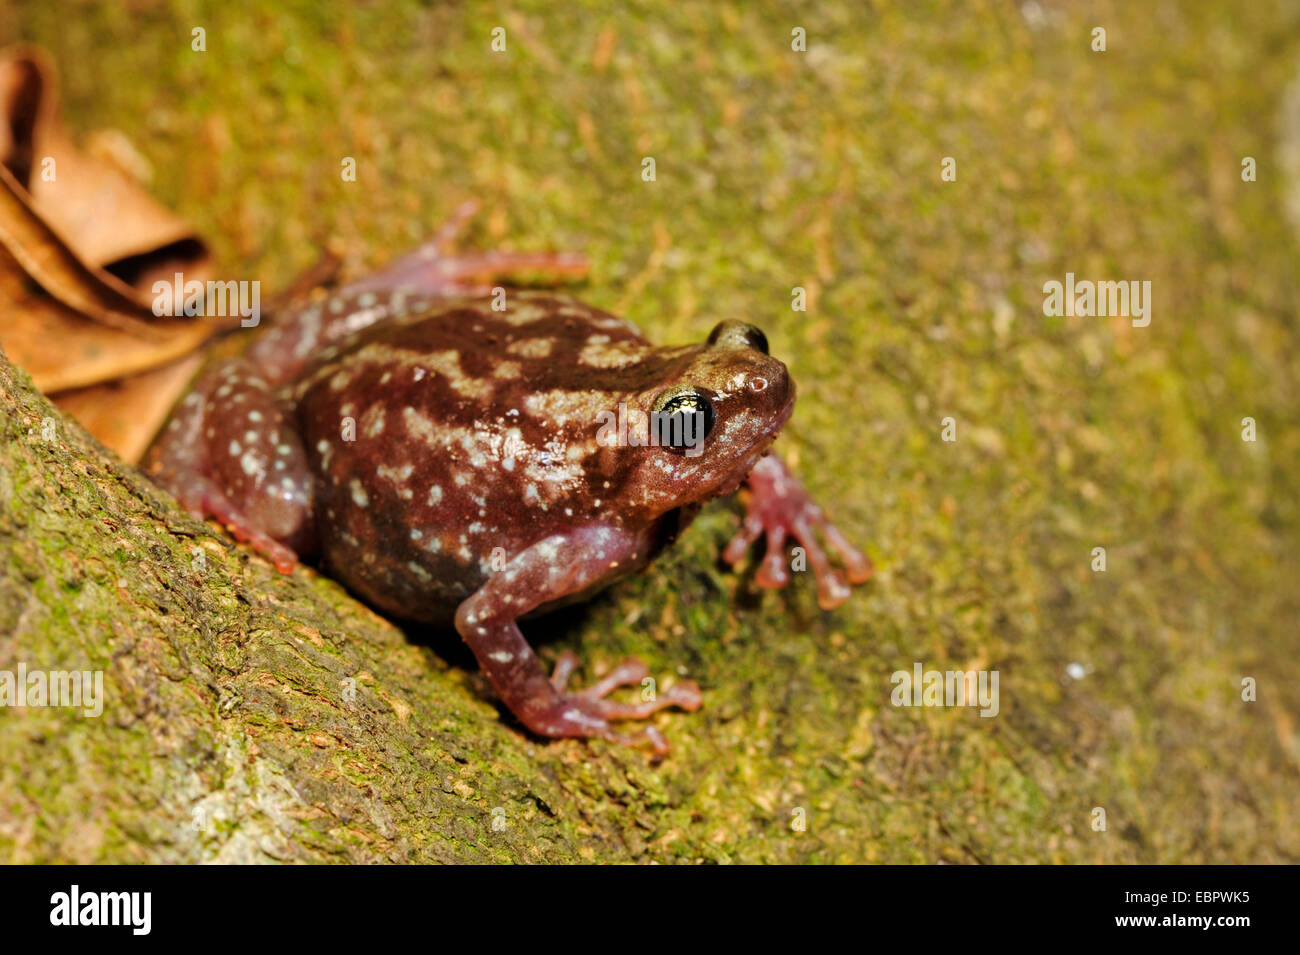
{"x": 598, "y": 711}
{"x": 780, "y": 508}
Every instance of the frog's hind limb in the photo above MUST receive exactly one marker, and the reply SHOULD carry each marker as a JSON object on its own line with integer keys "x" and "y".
{"x": 229, "y": 441}
{"x": 434, "y": 269}
{"x": 551, "y": 569}
{"x": 778, "y": 506}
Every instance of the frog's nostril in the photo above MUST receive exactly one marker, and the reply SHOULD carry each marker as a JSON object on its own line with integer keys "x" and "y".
{"x": 757, "y": 384}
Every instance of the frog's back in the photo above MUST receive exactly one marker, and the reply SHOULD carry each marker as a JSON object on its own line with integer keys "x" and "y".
{"x": 468, "y": 430}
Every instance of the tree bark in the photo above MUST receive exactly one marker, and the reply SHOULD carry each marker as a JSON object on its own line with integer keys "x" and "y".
{"x": 230, "y": 728}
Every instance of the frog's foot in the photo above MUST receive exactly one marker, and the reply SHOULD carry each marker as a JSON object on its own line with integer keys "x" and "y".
{"x": 550, "y": 569}
{"x": 779, "y": 507}
{"x": 631, "y": 672}
{"x": 434, "y": 269}
{"x": 204, "y": 499}
{"x": 588, "y": 707}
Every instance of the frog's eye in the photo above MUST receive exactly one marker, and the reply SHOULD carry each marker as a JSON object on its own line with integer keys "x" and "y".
{"x": 734, "y": 334}
{"x": 683, "y": 418}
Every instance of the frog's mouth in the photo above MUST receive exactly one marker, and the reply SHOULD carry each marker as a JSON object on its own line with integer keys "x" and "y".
{"x": 779, "y": 423}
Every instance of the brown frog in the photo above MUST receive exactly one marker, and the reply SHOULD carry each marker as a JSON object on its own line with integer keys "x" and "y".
{"x": 458, "y": 453}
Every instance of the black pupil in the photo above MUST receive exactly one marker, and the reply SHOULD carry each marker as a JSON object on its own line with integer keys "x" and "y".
{"x": 685, "y": 421}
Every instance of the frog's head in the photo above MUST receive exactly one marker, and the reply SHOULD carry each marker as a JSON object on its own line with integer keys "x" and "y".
{"x": 711, "y": 417}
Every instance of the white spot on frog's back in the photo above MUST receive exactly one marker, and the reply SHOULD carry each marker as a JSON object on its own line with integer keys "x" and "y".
{"x": 396, "y": 475}
{"x": 579, "y": 450}
{"x": 435, "y": 495}
{"x": 560, "y": 405}
{"x": 359, "y": 496}
{"x": 445, "y": 362}
{"x": 472, "y": 443}
{"x": 513, "y": 442}
{"x": 531, "y": 347}
{"x": 372, "y": 422}
{"x": 420, "y": 426}
{"x": 597, "y": 352}
{"x": 523, "y": 313}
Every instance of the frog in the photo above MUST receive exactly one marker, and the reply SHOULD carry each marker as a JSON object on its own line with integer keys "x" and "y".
{"x": 459, "y": 453}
